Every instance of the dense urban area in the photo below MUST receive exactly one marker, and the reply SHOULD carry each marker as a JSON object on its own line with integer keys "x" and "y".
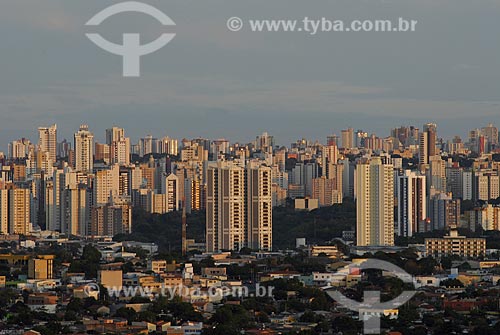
{"x": 207, "y": 236}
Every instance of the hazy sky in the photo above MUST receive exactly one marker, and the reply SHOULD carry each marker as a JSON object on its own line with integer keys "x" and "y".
{"x": 211, "y": 82}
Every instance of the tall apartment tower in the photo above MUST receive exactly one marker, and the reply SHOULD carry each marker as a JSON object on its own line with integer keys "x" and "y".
{"x": 106, "y": 184}
{"x": 84, "y": 150}
{"x": 259, "y": 207}
{"x": 412, "y": 203}
{"x": 225, "y": 207}
{"x": 47, "y": 141}
{"x": 120, "y": 151}
{"x": 491, "y": 132}
{"x": 19, "y": 211}
{"x": 374, "y": 191}
{"x": 239, "y": 207}
{"x": 114, "y": 134}
{"x": 347, "y": 138}
{"x": 4, "y": 212}
{"x": 427, "y": 143}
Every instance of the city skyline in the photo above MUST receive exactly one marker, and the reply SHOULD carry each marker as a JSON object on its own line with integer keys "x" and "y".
{"x": 234, "y": 84}
{"x": 101, "y": 136}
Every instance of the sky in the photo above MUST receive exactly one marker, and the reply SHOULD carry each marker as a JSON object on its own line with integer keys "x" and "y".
{"x": 215, "y": 83}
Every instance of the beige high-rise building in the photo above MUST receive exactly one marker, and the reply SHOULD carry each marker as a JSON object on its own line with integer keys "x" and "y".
{"x": 437, "y": 174}
{"x": 114, "y": 134}
{"x": 84, "y": 150}
{"x": 374, "y": 192}
{"x": 4, "y": 211}
{"x": 239, "y": 207}
{"x": 20, "y": 148}
{"x": 427, "y": 143}
{"x": 75, "y": 214}
{"x": 19, "y": 211}
{"x": 488, "y": 217}
{"x": 225, "y": 207}
{"x": 325, "y": 190}
{"x": 329, "y": 157}
{"x": 491, "y": 132}
{"x": 102, "y": 152}
{"x": 69, "y": 205}
{"x": 112, "y": 218}
{"x": 259, "y": 207}
{"x": 107, "y": 184}
{"x": 347, "y": 138}
{"x": 47, "y": 141}
{"x": 120, "y": 151}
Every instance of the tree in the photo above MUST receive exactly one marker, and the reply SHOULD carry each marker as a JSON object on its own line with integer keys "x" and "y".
{"x": 126, "y": 313}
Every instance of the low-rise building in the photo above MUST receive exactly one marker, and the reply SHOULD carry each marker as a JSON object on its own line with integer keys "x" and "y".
{"x": 454, "y": 244}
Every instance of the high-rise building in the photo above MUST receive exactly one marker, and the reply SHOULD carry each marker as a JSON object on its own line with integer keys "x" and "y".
{"x": 329, "y": 157}
{"x": 112, "y": 218}
{"x": 84, "y": 150}
{"x": 47, "y": 141}
{"x": 487, "y": 217}
{"x": 347, "y": 138}
{"x": 19, "y": 211}
{"x": 491, "y": 133}
{"x": 4, "y": 212}
{"x": 114, "y": 134}
{"x": 436, "y": 178}
{"x": 467, "y": 185}
{"x": 225, "y": 207}
{"x": 444, "y": 211}
{"x": 102, "y": 152}
{"x": 171, "y": 189}
{"x": 259, "y": 207}
{"x": 427, "y": 143}
{"x": 325, "y": 191}
{"x": 20, "y": 148}
{"x": 120, "y": 151}
{"x": 454, "y": 181}
{"x": 332, "y": 140}
{"x": 106, "y": 184}
{"x": 239, "y": 207}
{"x": 411, "y": 202}
{"x": 74, "y": 208}
{"x": 374, "y": 192}
{"x": 264, "y": 143}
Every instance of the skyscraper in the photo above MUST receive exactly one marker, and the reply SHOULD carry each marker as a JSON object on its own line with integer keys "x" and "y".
{"x": 225, "y": 207}
{"x": 411, "y": 197}
{"x": 114, "y": 134}
{"x": 4, "y": 211}
{"x": 47, "y": 141}
{"x": 444, "y": 211}
{"x": 239, "y": 207}
{"x": 19, "y": 211}
{"x": 347, "y": 138}
{"x": 259, "y": 207}
{"x": 374, "y": 191}
{"x": 84, "y": 150}
{"x": 491, "y": 132}
{"x": 106, "y": 184}
{"x": 427, "y": 143}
